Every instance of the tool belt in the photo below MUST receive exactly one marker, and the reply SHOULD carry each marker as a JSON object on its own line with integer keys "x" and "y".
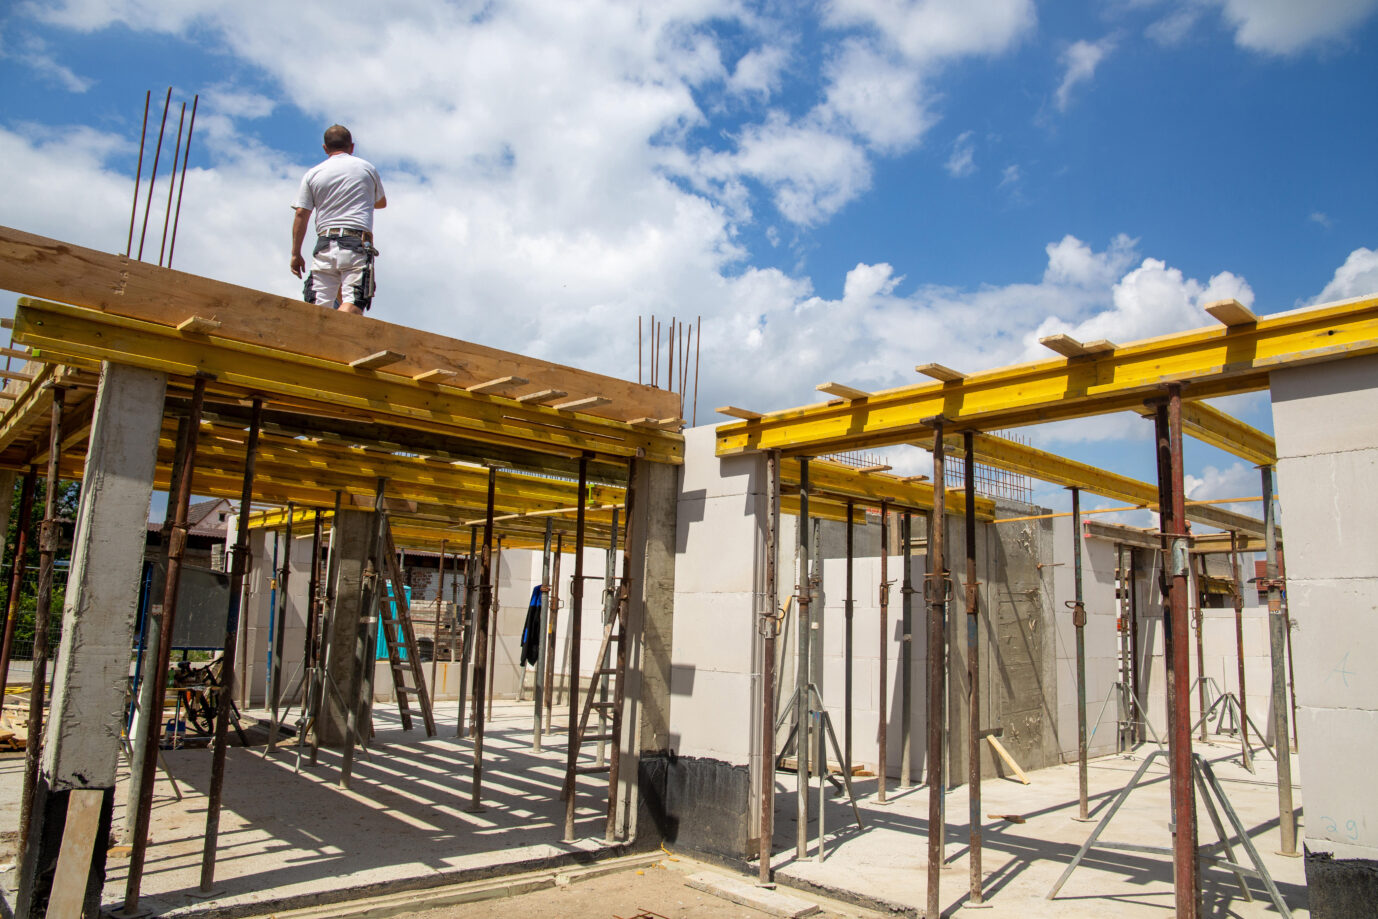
{"x": 336, "y": 232}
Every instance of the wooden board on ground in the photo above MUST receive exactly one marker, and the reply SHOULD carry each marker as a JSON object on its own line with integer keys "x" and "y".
{"x": 74, "y": 856}
{"x": 55, "y": 270}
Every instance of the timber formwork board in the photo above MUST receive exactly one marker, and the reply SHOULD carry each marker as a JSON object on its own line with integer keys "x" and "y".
{"x": 1210, "y": 362}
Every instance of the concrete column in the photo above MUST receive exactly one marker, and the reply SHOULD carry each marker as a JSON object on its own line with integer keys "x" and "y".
{"x": 353, "y": 531}
{"x": 646, "y": 733}
{"x": 82, "y": 736}
{"x": 1325, "y": 418}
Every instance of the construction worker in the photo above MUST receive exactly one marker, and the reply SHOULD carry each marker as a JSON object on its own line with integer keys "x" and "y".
{"x": 344, "y": 191}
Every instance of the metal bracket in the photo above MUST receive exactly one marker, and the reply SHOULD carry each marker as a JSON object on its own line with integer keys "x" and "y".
{"x": 929, "y": 591}
{"x": 1179, "y": 556}
{"x": 1078, "y": 609}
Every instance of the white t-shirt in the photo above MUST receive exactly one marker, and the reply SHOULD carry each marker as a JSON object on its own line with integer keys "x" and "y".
{"x": 342, "y": 191}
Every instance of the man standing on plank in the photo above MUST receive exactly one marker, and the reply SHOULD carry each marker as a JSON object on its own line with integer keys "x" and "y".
{"x": 344, "y": 191}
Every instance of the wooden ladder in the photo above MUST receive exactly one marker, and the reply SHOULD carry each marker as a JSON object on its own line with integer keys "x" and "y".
{"x": 394, "y": 621}
{"x": 614, "y": 633}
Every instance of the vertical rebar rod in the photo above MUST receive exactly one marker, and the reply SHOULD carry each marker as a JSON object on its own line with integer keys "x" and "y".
{"x": 18, "y": 569}
{"x": 493, "y": 626}
{"x": 177, "y": 544}
{"x": 1079, "y": 624}
{"x": 883, "y": 722}
{"x": 138, "y": 175}
{"x": 973, "y": 673}
{"x": 906, "y": 648}
{"x": 153, "y": 174}
{"x": 801, "y": 667}
{"x": 1277, "y": 635}
{"x": 485, "y": 600}
{"x": 552, "y": 627}
{"x": 182, "y": 183}
{"x": 1195, "y": 570}
{"x": 770, "y": 629}
{"x": 1238, "y": 598}
{"x": 279, "y": 634}
{"x": 1172, "y": 511}
{"x": 239, "y": 566}
{"x": 171, "y": 182}
{"x": 538, "y": 678}
{"x": 467, "y": 618}
{"x": 576, "y": 616}
{"x": 48, "y": 534}
{"x": 937, "y": 669}
{"x": 848, "y": 610}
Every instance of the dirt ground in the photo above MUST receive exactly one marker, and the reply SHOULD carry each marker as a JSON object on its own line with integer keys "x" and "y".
{"x": 658, "y": 891}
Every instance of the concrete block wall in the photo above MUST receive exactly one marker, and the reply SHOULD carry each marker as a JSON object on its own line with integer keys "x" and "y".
{"x": 1325, "y": 420}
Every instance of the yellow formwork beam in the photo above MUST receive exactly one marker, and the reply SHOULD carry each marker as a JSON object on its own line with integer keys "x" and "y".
{"x": 1210, "y": 425}
{"x": 1214, "y": 361}
{"x": 59, "y": 332}
{"x": 839, "y": 482}
{"x": 1012, "y": 456}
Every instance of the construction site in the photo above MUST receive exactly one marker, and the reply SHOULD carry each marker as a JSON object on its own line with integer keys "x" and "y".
{"x": 423, "y": 622}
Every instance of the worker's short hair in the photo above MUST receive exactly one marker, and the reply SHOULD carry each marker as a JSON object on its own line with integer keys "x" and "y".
{"x": 337, "y": 137}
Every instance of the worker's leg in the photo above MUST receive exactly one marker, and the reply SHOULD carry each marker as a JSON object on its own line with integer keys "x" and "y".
{"x": 356, "y": 279}
{"x": 323, "y": 283}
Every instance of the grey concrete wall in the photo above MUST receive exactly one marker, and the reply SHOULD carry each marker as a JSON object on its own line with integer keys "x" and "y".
{"x": 1325, "y": 419}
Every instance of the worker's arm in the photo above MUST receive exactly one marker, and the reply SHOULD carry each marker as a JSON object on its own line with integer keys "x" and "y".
{"x": 299, "y": 222}
{"x": 381, "y": 203}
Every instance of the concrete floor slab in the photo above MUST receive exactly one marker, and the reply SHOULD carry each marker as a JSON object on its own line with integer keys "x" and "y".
{"x": 886, "y": 863}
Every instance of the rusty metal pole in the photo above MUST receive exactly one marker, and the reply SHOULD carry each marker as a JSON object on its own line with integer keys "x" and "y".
{"x": 937, "y": 669}
{"x": 493, "y": 626}
{"x": 574, "y": 735}
{"x": 1079, "y": 625}
{"x": 177, "y": 544}
{"x": 279, "y": 637}
{"x": 770, "y": 626}
{"x": 1239, "y": 652}
{"x": 466, "y": 617}
{"x": 485, "y": 600}
{"x": 552, "y": 629}
{"x": 802, "y": 714}
{"x": 48, "y": 534}
{"x": 906, "y": 648}
{"x": 1291, "y": 676}
{"x": 973, "y": 674}
{"x": 1172, "y": 510}
{"x": 1277, "y": 634}
{"x": 1137, "y": 728}
{"x": 239, "y": 567}
{"x": 848, "y": 609}
{"x": 622, "y": 611}
{"x": 882, "y": 725}
{"x": 17, "y": 570}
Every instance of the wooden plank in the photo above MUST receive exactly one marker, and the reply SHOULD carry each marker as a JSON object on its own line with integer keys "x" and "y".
{"x": 939, "y": 372}
{"x": 48, "y": 268}
{"x": 542, "y": 396}
{"x": 377, "y": 359}
{"x": 15, "y": 375}
{"x": 74, "y": 855}
{"x": 198, "y": 325}
{"x": 16, "y": 352}
{"x": 497, "y": 384}
{"x": 580, "y": 405}
{"x": 1065, "y": 345}
{"x": 878, "y": 467}
{"x": 842, "y": 391}
{"x": 1009, "y": 760}
{"x": 435, "y": 375}
{"x": 1231, "y": 313}
{"x": 733, "y": 411}
{"x": 1100, "y": 346}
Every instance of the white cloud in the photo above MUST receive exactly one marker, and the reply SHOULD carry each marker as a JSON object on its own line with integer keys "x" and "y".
{"x": 1071, "y": 261}
{"x": 1289, "y": 26}
{"x": 962, "y": 161}
{"x": 1010, "y": 175}
{"x": 34, "y": 54}
{"x": 1173, "y": 28}
{"x": 878, "y": 96}
{"x": 759, "y": 72}
{"x": 931, "y": 30}
{"x": 1079, "y": 63}
{"x": 1357, "y": 277}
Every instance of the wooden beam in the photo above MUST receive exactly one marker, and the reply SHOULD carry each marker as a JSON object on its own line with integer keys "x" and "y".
{"x": 497, "y": 385}
{"x": 434, "y": 375}
{"x": 543, "y": 396}
{"x": 16, "y": 352}
{"x": 733, "y": 411}
{"x": 580, "y": 405}
{"x": 56, "y": 270}
{"x": 842, "y": 391}
{"x": 878, "y": 467}
{"x": 198, "y": 325}
{"x": 14, "y": 375}
{"x": 377, "y": 359}
{"x": 1009, "y": 760}
{"x": 1231, "y": 313}
{"x": 939, "y": 372}
{"x": 1069, "y": 347}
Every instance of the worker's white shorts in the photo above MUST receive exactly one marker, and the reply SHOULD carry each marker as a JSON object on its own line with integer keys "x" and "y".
{"x": 339, "y": 272}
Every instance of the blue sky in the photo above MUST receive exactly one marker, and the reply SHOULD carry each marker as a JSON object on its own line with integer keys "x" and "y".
{"x": 841, "y": 189}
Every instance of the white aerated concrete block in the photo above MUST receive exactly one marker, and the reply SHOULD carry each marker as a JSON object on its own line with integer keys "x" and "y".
{"x": 1339, "y": 674}
{"x": 1330, "y": 504}
{"x": 705, "y": 475}
{"x": 719, "y": 544}
{"x": 710, "y": 725}
{"x": 1326, "y": 409}
{"x": 715, "y": 631}
{"x": 1341, "y": 807}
